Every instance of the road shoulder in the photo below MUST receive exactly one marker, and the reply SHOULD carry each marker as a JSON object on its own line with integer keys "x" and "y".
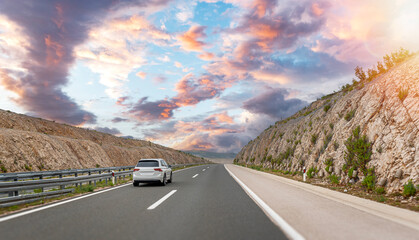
{"x": 270, "y": 188}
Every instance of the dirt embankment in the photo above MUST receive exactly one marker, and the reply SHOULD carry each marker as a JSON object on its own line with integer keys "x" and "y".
{"x": 31, "y": 144}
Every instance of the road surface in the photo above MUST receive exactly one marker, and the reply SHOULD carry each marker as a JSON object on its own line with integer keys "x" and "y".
{"x": 207, "y": 204}
{"x": 214, "y": 202}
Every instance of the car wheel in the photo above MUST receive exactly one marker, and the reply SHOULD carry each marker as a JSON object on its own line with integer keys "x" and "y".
{"x": 136, "y": 184}
{"x": 171, "y": 178}
{"x": 164, "y": 180}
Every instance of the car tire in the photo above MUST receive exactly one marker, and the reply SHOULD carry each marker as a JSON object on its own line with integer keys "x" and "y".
{"x": 171, "y": 178}
{"x": 136, "y": 184}
{"x": 164, "y": 180}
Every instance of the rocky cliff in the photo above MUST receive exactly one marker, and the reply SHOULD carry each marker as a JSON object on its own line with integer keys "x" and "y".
{"x": 324, "y": 136}
{"x": 30, "y": 144}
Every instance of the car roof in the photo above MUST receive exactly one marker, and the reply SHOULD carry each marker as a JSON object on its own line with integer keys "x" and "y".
{"x": 148, "y": 159}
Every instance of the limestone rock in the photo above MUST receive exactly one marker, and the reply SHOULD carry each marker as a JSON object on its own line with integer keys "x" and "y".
{"x": 389, "y": 123}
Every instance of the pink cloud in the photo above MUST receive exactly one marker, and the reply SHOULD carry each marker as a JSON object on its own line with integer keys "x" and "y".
{"x": 141, "y": 74}
{"x": 189, "y": 40}
{"x": 207, "y": 56}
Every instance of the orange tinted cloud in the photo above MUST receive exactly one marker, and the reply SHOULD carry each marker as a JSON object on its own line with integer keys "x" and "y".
{"x": 207, "y": 56}
{"x": 55, "y": 51}
{"x": 189, "y": 40}
{"x": 59, "y": 19}
{"x": 141, "y": 74}
{"x": 317, "y": 10}
{"x": 223, "y": 118}
{"x": 260, "y": 7}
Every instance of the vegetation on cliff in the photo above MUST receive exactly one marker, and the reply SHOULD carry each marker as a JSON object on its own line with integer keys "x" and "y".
{"x": 367, "y": 133}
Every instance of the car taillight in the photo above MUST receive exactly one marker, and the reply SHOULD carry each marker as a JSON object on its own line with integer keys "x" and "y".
{"x": 158, "y": 169}
{"x": 136, "y": 169}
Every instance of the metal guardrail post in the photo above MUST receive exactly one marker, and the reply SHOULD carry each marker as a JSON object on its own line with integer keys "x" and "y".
{"x": 16, "y": 192}
{"x": 90, "y": 182}
{"x": 40, "y": 178}
{"x": 75, "y": 175}
{"x": 61, "y": 186}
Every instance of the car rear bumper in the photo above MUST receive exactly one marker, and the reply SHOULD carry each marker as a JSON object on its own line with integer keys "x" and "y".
{"x": 145, "y": 179}
{"x": 148, "y": 181}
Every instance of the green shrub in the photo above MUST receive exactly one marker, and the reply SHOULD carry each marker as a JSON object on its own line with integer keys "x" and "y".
{"x": 345, "y": 167}
{"x": 409, "y": 189}
{"x": 380, "y": 190}
{"x": 311, "y": 172}
{"x": 381, "y": 199}
{"x": 350, "y": 172}
{"x": 310, "y": 123}
{"x": 326, "y": 108}
{"x": 358, "y": 151}
{"x": 369, "y": 180}
{"x": 350, "y": 115}
{"x": 314, "y": 138}
{"x": 328, "y": 163}
{"x": 331, "y": 126}
{"x": 327, "y": 140}
{"x": 3, "y": 168}
{"x": 39, "y": 190}
{"x": 403, "y": 94}
{"x": 334, "y": 179}
{"x": 28, "y": 167}
{"x": 335, "y": 145}
{"x": 360, "y": 74}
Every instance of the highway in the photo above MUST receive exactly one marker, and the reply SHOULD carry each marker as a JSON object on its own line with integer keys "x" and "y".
{"x": 214, "y": 202}
{"x": 205, "y": 202}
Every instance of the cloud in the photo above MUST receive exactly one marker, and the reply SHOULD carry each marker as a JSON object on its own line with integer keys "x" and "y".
{"x": 207, "y": 56}
{"x": 141, "y": 74}
{"x": 113, "y": 131}
{"x": 160, "y": 79}
{"x": 60, "y": 26}
{"x": 178, "y": 64}
{"x": 273, "y": 103}
{"x": 118, "y": 120}
{"x": 364, "y": 32}
{"x": 52, "y": 32}
{"x": 189, "y": 41}
{"x": 198, "y": 134}
{"x": 210, "y": 133}
{"x": 144, "y": 110}
{"x": 114, "y": 58}
{"x": 164, "y": 59}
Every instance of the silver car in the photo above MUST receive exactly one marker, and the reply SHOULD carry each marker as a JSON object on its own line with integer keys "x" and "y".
{"x": 152, "y": 170}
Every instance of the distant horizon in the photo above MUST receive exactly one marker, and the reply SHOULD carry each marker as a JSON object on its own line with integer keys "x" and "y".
{"x": 204, "y": 75}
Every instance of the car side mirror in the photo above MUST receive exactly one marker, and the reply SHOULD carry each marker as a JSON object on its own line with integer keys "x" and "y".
{"x": 170, "y": 166}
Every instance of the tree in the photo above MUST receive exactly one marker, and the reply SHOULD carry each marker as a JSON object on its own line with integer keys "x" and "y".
{"x": 360, "y": 74}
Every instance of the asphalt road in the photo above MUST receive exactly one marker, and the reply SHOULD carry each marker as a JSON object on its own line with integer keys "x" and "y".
{"x": 320, "y": 213}
{"x": 207, "y": 204}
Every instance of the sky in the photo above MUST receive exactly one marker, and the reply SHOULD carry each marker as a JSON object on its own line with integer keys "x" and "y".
{"x": 192, "y": 75}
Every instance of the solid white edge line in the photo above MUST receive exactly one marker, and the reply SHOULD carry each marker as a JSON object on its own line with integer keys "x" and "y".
{"x": 278, "y": 220}
{"x": 58, "y": 203}
{"x": 69, "y": 200}
{"x": 156, "y": 204}
{"x": 194, "y": 176}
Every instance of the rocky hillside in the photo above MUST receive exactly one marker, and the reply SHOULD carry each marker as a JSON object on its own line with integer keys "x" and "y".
{"x": 31, "y": 144}
{"x": 325, "y": 137}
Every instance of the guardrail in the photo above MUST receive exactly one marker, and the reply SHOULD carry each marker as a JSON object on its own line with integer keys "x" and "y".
{"x": 14, "y": 184}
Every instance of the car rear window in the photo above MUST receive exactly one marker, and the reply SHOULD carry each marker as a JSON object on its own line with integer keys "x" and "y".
{"x": 148, "y": 163}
